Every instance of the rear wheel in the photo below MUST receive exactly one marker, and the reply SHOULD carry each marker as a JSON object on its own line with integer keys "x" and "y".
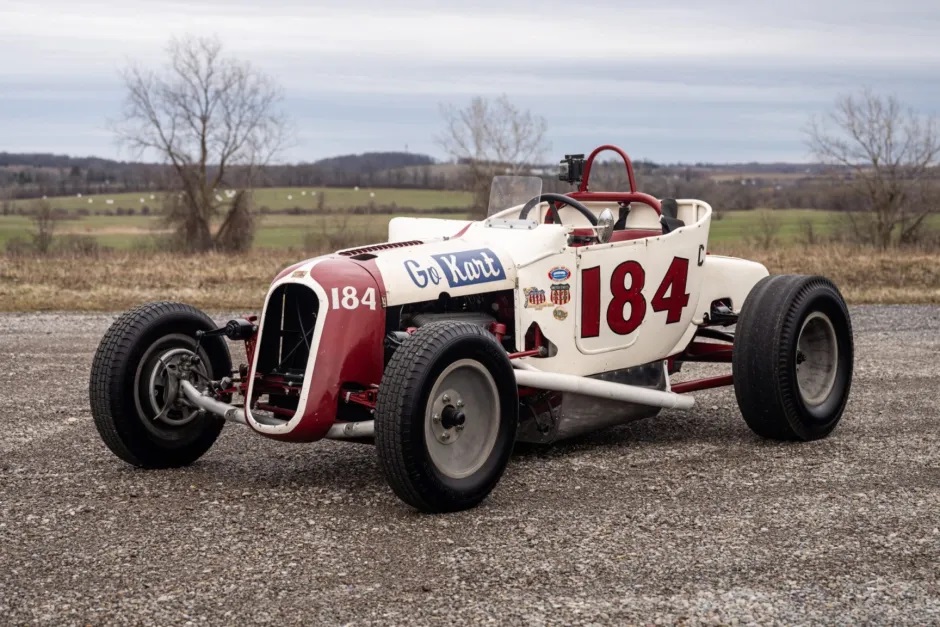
{"x": 793, "y": 357}
{"x": 135, "y": 400}
{"x": 446, "y": 416}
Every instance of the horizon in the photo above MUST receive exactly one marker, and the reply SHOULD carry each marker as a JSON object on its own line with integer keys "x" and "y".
{"x": 437, "y": 161}
{"x": 729, "y": 83}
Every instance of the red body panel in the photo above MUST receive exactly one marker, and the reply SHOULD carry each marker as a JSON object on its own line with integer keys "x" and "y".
{"x": 350, "y": 348}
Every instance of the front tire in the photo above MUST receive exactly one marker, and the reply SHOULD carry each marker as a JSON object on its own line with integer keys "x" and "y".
{"x": 446, "y": 417}
{"x": 793, "y": 356}
{"x": 134, "y": 401}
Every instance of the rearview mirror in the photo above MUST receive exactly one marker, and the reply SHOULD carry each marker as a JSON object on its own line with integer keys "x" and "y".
{"x": 605, "y": 226}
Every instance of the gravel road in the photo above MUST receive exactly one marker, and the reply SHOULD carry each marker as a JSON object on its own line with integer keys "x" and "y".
{"x": 683, "y": 518}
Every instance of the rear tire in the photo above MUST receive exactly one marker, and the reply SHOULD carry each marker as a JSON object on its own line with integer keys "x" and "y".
{"x": 793, "y": 357}
{"x": 446, "y": 416}
{"x": 129, "y": 386}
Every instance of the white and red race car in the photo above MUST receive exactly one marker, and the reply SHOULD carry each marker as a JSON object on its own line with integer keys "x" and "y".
{"x": 557, "y": 315}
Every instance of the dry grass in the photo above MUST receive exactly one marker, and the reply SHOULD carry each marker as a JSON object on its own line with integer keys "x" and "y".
{"x": 864, "y": 275}
{"x": 116, "y": 281}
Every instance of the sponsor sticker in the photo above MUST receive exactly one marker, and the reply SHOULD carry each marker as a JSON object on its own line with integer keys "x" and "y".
{"x": 535, "y": 298}
{"x": 559, "y": 313}
{"x": 468, "y": 267}
{"x": 561, "y": 293}
{"x": 298, "y": 274}
{"x": 559, "y": 273}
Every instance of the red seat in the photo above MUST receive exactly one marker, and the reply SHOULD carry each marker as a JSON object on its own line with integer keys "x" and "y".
{"x": 630, "y": 234}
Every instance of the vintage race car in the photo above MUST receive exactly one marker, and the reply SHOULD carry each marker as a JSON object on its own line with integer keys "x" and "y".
{"x": 557, "y": 315}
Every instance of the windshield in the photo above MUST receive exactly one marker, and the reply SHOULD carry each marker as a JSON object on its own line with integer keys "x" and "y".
{"x": 508, "y": 194}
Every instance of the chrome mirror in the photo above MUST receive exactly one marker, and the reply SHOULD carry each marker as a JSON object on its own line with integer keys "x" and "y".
{"x": 605, "y": 226}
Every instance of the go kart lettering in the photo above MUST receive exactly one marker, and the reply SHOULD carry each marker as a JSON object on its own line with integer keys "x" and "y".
{"x": 422, "y": 277}
{"x": 459, "y": 269}
{"x": 626, "y": 288}
{"x": 349, "y": 298}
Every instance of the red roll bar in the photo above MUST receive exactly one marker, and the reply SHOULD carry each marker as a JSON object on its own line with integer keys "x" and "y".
{"x": 584, "y": 193}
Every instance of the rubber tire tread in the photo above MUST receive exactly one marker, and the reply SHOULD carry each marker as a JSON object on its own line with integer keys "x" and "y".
{"x": 765, "y": 345}
{"x": 112, "y": 371}
{"x": 405, "y": 384}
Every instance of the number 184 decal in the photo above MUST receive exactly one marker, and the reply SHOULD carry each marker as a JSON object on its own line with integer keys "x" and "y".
{"x": 349, "y": 298}
{"x": 626, "y": 288}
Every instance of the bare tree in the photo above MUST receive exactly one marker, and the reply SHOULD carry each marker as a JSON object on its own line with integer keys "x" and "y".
{"x": 208, "y": 116}
{"x": 492, "y": 137}
{"x": 238, "y": 230}
{"x": 892, "y": 156}
{"x": 44, "y": 223}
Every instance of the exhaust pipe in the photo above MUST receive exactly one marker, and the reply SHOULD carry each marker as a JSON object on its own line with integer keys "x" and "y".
{"x": 602, "y": 389}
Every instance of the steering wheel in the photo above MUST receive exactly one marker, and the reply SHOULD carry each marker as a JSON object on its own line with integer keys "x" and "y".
{"x": 568, "y": 200}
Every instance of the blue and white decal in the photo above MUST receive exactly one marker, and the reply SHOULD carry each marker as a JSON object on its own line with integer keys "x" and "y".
{"x": 559, "y": 274}
{"x": 470, "y": 267}
{"x": 459, "y": 269}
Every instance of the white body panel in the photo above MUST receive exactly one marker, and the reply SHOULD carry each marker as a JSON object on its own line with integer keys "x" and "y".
{"x": 680, "y": 282}
{"x": 405, "y": 229}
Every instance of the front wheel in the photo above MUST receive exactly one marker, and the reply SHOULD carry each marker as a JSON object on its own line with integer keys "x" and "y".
{"x": 136, "y": 403}
{"x": 446, "y": 416}
{"x": 792, "y": 358}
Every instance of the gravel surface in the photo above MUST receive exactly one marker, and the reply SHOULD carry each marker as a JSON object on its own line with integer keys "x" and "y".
{"x": 687, "y": 517}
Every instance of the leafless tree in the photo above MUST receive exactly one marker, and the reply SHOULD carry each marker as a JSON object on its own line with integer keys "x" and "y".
{"x": 238, "y": 230}
{"x": 492, "y": 136}
{"x": 44, "y": 224}
{"x": 892, "y": 156}
{"x": 210, "y": 117}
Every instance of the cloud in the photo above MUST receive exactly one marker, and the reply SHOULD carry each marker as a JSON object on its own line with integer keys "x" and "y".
{"x": 676, "y": 78}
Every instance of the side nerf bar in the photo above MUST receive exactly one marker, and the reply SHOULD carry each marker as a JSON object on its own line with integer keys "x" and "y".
{"x": 602, "y": 389}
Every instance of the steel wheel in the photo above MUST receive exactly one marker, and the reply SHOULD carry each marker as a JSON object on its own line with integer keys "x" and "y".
{"x": 446, "y": 416}
{"x": 817, "y": 359}
{"x": 137, "y": 407}
{"x": 462, "y": 419}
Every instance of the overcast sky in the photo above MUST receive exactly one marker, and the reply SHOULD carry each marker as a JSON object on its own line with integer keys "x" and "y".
{"x": 677, "y": 80}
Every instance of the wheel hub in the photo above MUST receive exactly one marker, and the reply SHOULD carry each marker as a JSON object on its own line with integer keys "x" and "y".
{"x": 448, "y": 418}
{"x": 462, "y": 418}
{"x": 817, "y": 359}
{"x": 165, "y": 403}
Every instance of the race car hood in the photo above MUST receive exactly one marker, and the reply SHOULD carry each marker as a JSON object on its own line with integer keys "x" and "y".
{"x": 457, "y": 258}
{"x": 473, "y": 259}
{"x": 457, "y": 267}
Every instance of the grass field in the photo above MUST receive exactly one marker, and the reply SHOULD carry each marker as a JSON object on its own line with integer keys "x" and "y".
{"x": 274, "y": 231}
{"x": 286, "y": 231}
{"x": 119, "y": 280}
{"x": 279, "y": 198}
{"x": 131, "y": 273}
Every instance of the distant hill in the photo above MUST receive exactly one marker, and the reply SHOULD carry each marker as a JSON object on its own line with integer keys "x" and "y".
{"x": 49, "y": 160}
{"x": 366, "y": 163}
{"x": 372, "y": 162}
{"x": 25, "y": 175}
